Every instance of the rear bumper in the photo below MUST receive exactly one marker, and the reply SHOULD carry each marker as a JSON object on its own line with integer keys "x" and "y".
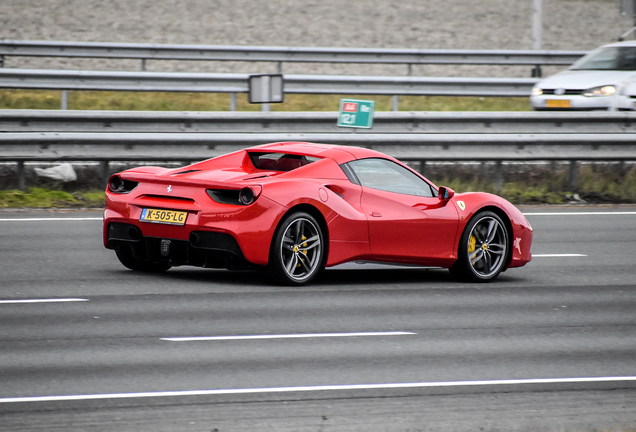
{"x": 202, "y": 249}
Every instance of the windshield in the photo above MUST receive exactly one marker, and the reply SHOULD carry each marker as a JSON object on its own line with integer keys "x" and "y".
{"x": 610, "y": 58}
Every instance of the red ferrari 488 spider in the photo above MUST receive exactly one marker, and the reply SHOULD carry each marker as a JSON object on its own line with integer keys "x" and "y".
{"x": 296, "y": 208}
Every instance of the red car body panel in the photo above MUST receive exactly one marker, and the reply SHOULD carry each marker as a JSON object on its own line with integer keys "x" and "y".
{"x": 360, "y": 223}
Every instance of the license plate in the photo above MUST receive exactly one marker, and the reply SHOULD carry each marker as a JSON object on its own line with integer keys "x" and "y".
{"x": 172, "y": 217}
{"x": 557, "y": 103}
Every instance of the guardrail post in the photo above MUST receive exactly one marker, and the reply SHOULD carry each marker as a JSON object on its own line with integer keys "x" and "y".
{"x": 573, "y": 176}
{"x": 498, "y": 177}
{"x": 279, "y": 68}
{"x": 232, "y": 101}
{"x": 21, "y": 176}
{"x": 64, "y": 105}
{"x": 143, "y": 65}
{"x": 103, "y": 172}
{"x": 395, "y": 103}
{"x": 1, "y": 61}
{"x": 483, "y": 170}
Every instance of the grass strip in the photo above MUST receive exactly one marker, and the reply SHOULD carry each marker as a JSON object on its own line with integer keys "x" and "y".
{"x": 156, "y": 101}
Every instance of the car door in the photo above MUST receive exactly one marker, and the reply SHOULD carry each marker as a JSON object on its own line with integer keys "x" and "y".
{"x": 406, "y": 221}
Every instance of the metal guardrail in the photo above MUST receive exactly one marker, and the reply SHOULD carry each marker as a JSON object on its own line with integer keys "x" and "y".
{"x": 285, "y": 54}
{"x": 435, "y": 122}
{"x": 238, "y": 83}
{"x": 422, "y": 137}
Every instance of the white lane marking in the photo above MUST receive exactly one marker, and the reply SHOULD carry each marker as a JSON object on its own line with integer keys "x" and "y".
{"x": 282, "y": 336}
{"x": 579, "y": 214}
{"x": 52, "y": 219}
{"x": 556, "y": 255}
{"x": 60, "y": 300}
{"x": 318, "y": 388}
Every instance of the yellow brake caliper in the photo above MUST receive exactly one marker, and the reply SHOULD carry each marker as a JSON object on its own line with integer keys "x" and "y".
{"x": 472, "y": 241}
{"x": 305, "y": 252}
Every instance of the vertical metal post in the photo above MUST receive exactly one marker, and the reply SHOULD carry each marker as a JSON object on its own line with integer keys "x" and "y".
{"x": 1, "y": 61}
{"x": 574, "y": 176}
{"x": 537, "y": 31}
{"x": 21, "y": 176}
{"x": 498, "y": 177}
{"x": 265, "y": 85}
{"x": 103, "y": 173}
{"x": 64, "y": 100}
{"x": 232, "y": 101}
{"x": 395, "y": 103}
{"x": 483, "y": 171}
{"x": 423, "y": 167}
{"x": 143, "y": 65}
{"x": 410, "y": 69}
{"x": 279, "y": 68}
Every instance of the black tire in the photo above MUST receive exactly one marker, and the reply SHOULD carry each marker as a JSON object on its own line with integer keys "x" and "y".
{"x": 297, "y": 251}
{"x": 483, "y": 249}
{"x": 126, "y": 257}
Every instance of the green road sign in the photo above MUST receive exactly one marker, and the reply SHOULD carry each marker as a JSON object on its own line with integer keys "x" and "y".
{"x": 356, "y": 113}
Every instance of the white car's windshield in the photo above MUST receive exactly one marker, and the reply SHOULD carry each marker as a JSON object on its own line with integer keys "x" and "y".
{"x": 610, "y": 58}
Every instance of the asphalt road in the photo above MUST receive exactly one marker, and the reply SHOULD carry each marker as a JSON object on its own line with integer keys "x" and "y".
{"x": 551, "y": 346}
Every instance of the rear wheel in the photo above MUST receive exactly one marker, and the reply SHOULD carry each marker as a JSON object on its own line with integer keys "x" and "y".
{"x": 297, "y": 251}
{"x": 126, "y": 257}
{"x": 483, "y": 249}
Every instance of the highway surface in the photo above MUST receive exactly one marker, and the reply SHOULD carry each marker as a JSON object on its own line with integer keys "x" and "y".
{"x": 87, "y": 345}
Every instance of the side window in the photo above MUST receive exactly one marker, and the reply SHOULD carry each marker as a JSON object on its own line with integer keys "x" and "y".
{"x": 388, "y": 176}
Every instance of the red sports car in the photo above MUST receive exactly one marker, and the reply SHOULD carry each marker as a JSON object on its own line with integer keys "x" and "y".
{"x": 295, "y": 208}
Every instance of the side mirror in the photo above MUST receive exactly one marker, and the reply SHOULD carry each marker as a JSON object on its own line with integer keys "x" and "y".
{"x": 445, "y": 193}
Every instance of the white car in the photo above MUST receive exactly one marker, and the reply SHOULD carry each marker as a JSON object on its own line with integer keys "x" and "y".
{"x": 601, "y": 80}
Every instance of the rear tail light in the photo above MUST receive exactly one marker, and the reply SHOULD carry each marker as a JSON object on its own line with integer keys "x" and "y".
{"x": 246, "y": 196}
{"x": 118, "y": 185}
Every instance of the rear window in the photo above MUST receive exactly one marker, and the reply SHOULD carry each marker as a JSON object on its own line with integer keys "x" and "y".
{"x": 280, "y": 161}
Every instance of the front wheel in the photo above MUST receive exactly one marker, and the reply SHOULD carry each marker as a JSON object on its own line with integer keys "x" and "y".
{"x": 297, "y": 251}
{"x": 483, "y": 249}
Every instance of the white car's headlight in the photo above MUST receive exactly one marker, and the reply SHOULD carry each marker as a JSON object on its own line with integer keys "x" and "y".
{"x": 607, "y": 90}
{"x": 536, "y": 91}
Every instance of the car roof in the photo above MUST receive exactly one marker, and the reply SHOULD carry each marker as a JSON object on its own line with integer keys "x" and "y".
{"x": 339, "y": 153}
{"x": 629, "y": 43}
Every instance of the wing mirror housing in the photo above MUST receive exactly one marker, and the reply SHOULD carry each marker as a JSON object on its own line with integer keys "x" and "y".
{"x": 445, "y": 193}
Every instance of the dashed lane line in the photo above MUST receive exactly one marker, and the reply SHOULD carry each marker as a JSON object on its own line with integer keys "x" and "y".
{"x": 283, "y": 336}
{"x": 557, "y": 255}
{"x": 54, "y": 300}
